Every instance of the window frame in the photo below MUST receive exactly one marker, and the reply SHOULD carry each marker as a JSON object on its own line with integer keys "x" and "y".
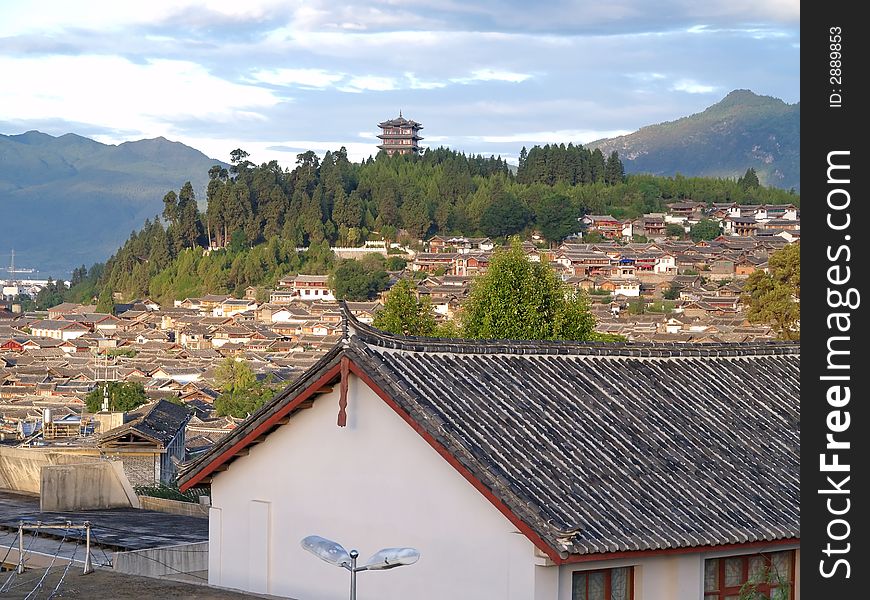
{"x": 765, "y": 587}
{"x": 608, "y": 573}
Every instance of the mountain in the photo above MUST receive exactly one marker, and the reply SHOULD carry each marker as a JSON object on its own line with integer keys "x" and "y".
{"x": 70, "y": 200}
{"x": 742, "y": 130}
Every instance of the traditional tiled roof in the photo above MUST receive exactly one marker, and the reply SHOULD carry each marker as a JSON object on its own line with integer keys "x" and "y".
{"x": 160, "y": 422}
{"x": 592, "y": 448}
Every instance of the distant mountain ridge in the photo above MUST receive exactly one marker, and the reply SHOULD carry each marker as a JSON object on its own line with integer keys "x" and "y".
{"x": 70, "y": 200}
{"x": 742, "y": 130}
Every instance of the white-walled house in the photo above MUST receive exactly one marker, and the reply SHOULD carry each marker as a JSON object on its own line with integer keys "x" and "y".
{"x": 528, "y": 470}
{"x": 665, "y": 263}
{"x": 312, "y": 287}
{"x": 59, "y": 330}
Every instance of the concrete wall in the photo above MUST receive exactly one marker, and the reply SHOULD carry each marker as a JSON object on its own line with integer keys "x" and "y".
{"x": 20, "y": 467}
{"x": 85, "y": 486}
{"x": 175, "y": 507}
{"x": 373, "y": 484}
{"x": 171, "y": 561}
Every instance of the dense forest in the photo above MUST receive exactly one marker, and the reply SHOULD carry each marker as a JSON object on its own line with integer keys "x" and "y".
{"x": 256, "y": 217}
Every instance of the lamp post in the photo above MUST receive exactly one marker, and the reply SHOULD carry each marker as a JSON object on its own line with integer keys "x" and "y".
{"x": 335, "y": 554}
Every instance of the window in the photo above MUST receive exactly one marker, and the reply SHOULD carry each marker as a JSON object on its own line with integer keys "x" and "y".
{"x": 606, "y": 584}
{"x": 768, "y": 575}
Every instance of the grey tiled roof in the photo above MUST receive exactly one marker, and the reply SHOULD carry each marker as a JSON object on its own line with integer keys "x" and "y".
{"x": 600, "y": 448}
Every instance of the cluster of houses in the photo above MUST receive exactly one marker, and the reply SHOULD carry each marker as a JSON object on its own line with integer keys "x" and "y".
{"x": 49, "y": 363}
{"x": 740, "y": 220}
{"x": 662, "y": 290}
{"x": 702, "y": 282}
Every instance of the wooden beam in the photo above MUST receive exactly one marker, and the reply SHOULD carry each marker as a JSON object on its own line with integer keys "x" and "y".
{"x": 342, "y": 400}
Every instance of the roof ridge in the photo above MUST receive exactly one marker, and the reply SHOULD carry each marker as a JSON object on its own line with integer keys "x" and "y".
{"x": 352, "y": 329}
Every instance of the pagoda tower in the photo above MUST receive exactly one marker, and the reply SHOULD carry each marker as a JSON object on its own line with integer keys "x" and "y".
{"x": 400, "y": 135}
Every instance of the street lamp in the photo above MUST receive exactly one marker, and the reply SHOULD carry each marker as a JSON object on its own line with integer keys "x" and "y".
{"x": 335, "y": 554}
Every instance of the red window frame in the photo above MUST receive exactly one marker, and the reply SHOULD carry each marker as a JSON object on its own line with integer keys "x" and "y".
{"x": 607, "y": 581}
{"x": 765, "y": 588}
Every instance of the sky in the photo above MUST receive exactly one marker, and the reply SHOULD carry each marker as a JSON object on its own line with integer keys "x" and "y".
{"x": 277, "y": 78}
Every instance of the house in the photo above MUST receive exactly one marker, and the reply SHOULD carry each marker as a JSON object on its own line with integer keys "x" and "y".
{"x": 608, "y": 226}
{"x": 665, "y": 263}
{"x": 231, "y": 307}
{"x": 150, "y": 443}
{"x": 312, "y": 287}
{"x": 55, "y": 312}
{"x": 59, "y": 330}
{"x": 510, "y": 481}
{"x": 282, "y": 296}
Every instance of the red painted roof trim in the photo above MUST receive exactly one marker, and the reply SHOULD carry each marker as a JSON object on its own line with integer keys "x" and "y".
{"x": 262, "y": 428}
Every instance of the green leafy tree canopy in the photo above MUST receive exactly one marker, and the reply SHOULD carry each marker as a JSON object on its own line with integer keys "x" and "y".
{"x": 404, "y": 314}
{"x": 523, "y": 300}
{"x": 705, "y": 229}
{"x": 123, "y": 396}
{"x": 774, "y": 297}
{"x": 241, "y": 393}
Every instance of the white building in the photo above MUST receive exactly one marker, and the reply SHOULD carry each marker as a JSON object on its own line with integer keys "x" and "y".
{"x": 312, "y": 287}
{"x": 59, "y": 330}
{"x": 665, "y": 263}
{"x": 512, "y": 483}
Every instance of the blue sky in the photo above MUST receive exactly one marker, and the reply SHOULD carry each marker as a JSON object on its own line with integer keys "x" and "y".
{"x": 278, "y": 78}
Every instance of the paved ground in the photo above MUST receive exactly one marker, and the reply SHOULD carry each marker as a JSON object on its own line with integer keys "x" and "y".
{"x": 108, "y": 584}
{"x": 116, "y": 528}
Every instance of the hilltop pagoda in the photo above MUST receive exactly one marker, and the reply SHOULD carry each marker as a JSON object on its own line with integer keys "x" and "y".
{"x": 400, "y": 135}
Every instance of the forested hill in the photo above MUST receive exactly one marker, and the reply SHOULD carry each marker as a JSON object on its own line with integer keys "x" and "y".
{"x": 70, "y": 200}
{"x": 258, "y": 215}
{"x": 743, "y": 130}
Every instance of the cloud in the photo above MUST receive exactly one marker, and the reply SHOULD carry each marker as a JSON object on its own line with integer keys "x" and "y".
{"x": 582, "y": 136}
{"x": 218, "y": 76}
{"x": 113, "y": 92}
{"x": 690, "y": 86}
{"x": 418, "y": 84}
{"x": 492, "y": 75}
{"x": 647, "y": 76}
{"x": 305, "y": 78}
{"x": 369, "y": 83}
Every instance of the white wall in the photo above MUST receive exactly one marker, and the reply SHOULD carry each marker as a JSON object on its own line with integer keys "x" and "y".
{"x": 373, "y": 484}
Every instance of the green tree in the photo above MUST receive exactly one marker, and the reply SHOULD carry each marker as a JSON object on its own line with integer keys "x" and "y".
{"x": 556, "y": 217}
{"x": 705, "y": 229}
{"x": 123, "y": 396}
{"x": 395, "y": 263}
{"x": 106, "y": 302}
{"x": 241, "y": 393}
{"x": 614, "y": 171}
{"x": 170, "y": 206}
{"x": 774, "y": 297}
{"x": 673, "y": 292}
{"x": 505, "y": 216}
{"x": 523, "y": 300}
{"x": 674, "y": 230}
{"x": 749, "y": 181}
{"x": 404, "y": 314}
{"x": 352, "y": 280}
